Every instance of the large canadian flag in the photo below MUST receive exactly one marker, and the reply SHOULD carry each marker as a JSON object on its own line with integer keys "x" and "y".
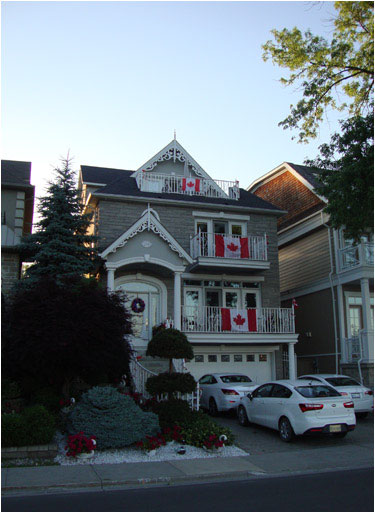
{"x": 238, "y": 320}
{"x": 191, "y": 184}
{"x": 231, "y": 247}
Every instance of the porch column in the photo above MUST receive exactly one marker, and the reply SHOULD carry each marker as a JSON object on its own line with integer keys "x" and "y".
{"x": 110, "y": 278}
{"x": 292, "y": 363}
{"x": 340, "y": 304}
{"x": 177, "y": 300}
{"x": 368, "y": 350}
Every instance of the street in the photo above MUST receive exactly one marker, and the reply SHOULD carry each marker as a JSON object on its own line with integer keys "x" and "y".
{"x": 334, "y": 491}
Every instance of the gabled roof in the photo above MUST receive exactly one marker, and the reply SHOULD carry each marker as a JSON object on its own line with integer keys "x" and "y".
{"x": 15, "y": 172}
{"x": 102, "y": 175}
{"x": 147, "y": 221}
{"x": 306, "y": 172}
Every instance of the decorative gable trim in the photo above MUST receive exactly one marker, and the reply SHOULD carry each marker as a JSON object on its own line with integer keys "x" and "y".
{"x": 174, "y": 151}
{"x": 147, "y": 222}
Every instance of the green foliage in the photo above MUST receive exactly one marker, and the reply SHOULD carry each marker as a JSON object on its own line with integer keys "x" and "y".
{"x": 171, "y": 412}
{"x": 168, "y": 383}
{"x": 346, "y": 176}
{"x": 60, "y": 247}
{"x": 197, "y": 428}
{"x": 170, "y": 343}
{"x": 58, "y": 333}
{"x": 34, "y": 426}
{"x": 113, "y": 418}
{"x": 48, "y": 398}
{"x": 10, "y": 389}
{"x": 324, "y": 69}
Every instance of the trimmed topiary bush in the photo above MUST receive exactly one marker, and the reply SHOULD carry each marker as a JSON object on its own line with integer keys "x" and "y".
{"x": 113, "y": 418}
{"x": 168, "y": 383}
{"x": 34, "y": 426}
{"x": 172, "y": 412}
{"x": 170, "y": 343}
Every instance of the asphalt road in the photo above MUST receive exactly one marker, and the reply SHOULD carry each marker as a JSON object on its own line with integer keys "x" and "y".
{"x": 324, "y": 491}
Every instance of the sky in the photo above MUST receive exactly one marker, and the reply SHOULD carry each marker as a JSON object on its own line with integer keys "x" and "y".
{"x": 109, "y": 82}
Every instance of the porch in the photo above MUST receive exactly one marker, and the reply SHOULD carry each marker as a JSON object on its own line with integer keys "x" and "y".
{"x": 352, "y": 257}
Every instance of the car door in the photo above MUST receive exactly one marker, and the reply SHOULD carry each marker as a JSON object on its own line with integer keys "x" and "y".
{"x": 204, "y": 385}
{"x": 257, "y": 407}
{"x": 276, "y": 405}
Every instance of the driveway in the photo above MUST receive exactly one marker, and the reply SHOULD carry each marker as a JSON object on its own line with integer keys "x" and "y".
{"x": 268, "y": 452}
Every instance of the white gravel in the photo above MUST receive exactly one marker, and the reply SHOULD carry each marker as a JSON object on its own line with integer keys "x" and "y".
{"x": 131, "y": 455}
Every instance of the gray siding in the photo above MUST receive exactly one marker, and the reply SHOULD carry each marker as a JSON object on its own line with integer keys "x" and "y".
{"x": 304, "y": 261}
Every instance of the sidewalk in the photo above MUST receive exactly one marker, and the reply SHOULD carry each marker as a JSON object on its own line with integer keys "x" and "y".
{"x": 55, "y": 479}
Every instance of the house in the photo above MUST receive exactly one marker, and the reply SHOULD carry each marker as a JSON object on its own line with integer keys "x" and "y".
{"x": 330, "y": 277}
{"x": 17, "y": 207}
{"x": 196, "y": 253}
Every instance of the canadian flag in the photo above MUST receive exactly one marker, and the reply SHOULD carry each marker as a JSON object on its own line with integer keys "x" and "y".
{"x": 231, "y": 247}
{"x": 191, "y": 184}
{"x": 238, "y": 320}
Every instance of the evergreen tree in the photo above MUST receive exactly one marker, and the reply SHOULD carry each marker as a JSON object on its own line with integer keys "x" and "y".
{"x": 60, "y": 247}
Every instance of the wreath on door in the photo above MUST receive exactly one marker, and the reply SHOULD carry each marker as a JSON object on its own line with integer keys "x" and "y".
{"x": 138, "y": 305}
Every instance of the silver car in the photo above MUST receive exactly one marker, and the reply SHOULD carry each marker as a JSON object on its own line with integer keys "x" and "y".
{"x": 223, "y": 391}
{"x": 361, "y": 396}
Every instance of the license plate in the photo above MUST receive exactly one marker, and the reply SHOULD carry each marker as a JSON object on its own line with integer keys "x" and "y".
{"x": 356, "y": 395}
{"x": 335, "y": 428}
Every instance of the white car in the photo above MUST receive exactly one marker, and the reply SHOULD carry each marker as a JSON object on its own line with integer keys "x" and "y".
{"x": 361, "y": 396}
{"x": 296, "y": 407}
{"x": 222, "y": 391}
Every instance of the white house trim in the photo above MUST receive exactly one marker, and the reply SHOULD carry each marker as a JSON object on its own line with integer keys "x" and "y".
{"x": 220, "y": 215}
{"x": 221, "y": 277}
{"x": 149, "y": 259}
{"x": 241, "y": 338}
{"x": 302, "y": 227}
{"x": 148, "y": 222}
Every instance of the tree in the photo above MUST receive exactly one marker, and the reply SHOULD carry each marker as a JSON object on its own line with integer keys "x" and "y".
{"x": 61, "y": 246}
{"x": 324, "y": 68}
{"x": 58, "y": 332}
{"x": 346, "y": 176}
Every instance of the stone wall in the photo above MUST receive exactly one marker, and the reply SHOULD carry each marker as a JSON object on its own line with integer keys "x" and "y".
{"x": 10, "y": 270}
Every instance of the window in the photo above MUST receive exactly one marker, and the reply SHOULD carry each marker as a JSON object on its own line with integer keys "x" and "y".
{"x": 343, "y": 382}
{"x": 199, "y": 358}
{"x": 281, "y": 391}
{"x": 212, "y": 358}
{"x": 235, "y": 379}
{"x": 225, "y": 358}
{"x": 250, "y": 357}
{"x": 318, "y": 391}
{"x": 263, "y": 391}
{"x": 238, "y": 357}
{"x": 262, "y": 357}
{"x": 206, "y": 380}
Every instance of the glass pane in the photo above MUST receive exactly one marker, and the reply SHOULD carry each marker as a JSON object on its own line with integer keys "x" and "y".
{"x": 236, "y": 229}
{"x": 250, "y": 285}
{"x": 212, "y": 358}
{"x": 191, "y": 297}
{"x": 199, "y": 358}
{"x": 220, "y": 228}
{"x": 202, "y": 227}
{"x": 262, "y": 357}
{"x": 250, "y": 300}
{"x": 231, "y": 299}
{"x": 192, "y": 282}
{"x": 212, "y": 283}
{"x": 234, "y": 284}
{"x": 355, "y": 319}
{"x": 225, "y": 358}
{"x": 238, "y": 357}
{"x": 212, "y": 298}
{"x": 250, "y": 357}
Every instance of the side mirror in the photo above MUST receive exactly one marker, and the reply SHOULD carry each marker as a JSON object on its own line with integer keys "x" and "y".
{"x": 250, "y": 396}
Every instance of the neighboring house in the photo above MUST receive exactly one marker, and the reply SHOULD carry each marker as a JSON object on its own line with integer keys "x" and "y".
{"x": 17, "y": 207}
{"x": 198, "y": 253}
{"x": 331, "y": 279}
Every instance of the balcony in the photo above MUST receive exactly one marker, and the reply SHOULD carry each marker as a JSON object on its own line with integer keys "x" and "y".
{"x": 216, "y": 249}
{"x": 177, "y": 184}
{"x": 356, "y": 256}
{"x": 212, "y": 319}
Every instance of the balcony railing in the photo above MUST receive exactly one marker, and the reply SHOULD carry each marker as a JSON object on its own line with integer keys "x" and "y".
{"x": 177, "y": 184}
{"x": 209, "y": 319}
{"x": 355, "y": 256}
{"x": 215, "y": 245}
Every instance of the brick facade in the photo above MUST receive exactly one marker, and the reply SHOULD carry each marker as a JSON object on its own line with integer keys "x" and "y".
{"x": 288, "y": 193}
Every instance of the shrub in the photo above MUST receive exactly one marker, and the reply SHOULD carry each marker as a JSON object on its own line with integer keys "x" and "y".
{"x": 168, "y": 383}
{"x": 114, "y": 419}
{"x": 34, "y": 426}
{"x": 171, "y": 412}
{"x": 79, "y": 443}
{"x": 170, "y": 343}
{"x": 197, "y": 428}
{"x": 48, "y": 398}
{"x": 10, "y": 389}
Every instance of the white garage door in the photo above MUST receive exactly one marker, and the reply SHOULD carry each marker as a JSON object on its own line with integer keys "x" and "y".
{"x": 256, "y": 365}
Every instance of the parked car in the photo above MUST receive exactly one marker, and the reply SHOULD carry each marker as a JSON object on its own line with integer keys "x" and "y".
{"x": 222, "y": 391}
{"x": 298, "y": 407}
{"x": 362, "y": 397}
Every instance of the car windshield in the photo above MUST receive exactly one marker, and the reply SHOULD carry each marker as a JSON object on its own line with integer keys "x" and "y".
{"x": 235, "y": 379}
{"x": 342, "y": 382}
{"x": 317, "y": 391}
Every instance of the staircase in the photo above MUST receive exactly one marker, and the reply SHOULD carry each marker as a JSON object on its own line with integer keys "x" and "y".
{"x": 155, "y": 365}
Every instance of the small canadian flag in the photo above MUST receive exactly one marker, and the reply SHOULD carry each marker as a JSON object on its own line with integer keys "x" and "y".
{"x": 191, "y": 184}
{"x": 233, "y": 319}
{"x": 294, "y": 303}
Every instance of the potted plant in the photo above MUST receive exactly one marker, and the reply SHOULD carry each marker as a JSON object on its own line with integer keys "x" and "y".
{"x": 80, "y": 446}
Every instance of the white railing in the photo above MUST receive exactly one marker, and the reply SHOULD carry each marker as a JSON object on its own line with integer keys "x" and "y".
{"x": 354, "y": 256}
{"x": 174, "y": 184}
{"x": 209, "y": 319}
{"x": 140, "y": 375}
{"x": 204, "y": 245}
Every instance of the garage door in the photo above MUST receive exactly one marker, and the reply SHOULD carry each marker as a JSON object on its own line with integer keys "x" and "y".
{"x": 256, "y": 365}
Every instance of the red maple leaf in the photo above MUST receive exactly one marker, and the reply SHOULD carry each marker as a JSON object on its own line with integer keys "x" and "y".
{"x": 190, "y": 184}
{"x": 232, "y": 247}
{"x": 239, "y": 320}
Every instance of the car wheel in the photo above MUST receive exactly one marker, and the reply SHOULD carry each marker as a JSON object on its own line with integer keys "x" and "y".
{"x": 361, "y": 415}
{"x": 212, "y": 408}
{"x": 285, "y": 430}
{"x": 242, "y": 416}
{"x": 340, "y": 435}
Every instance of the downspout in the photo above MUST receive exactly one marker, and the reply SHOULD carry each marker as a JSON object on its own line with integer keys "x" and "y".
{"x": 361, "y": 357}
{"x": 333, "y": 294}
